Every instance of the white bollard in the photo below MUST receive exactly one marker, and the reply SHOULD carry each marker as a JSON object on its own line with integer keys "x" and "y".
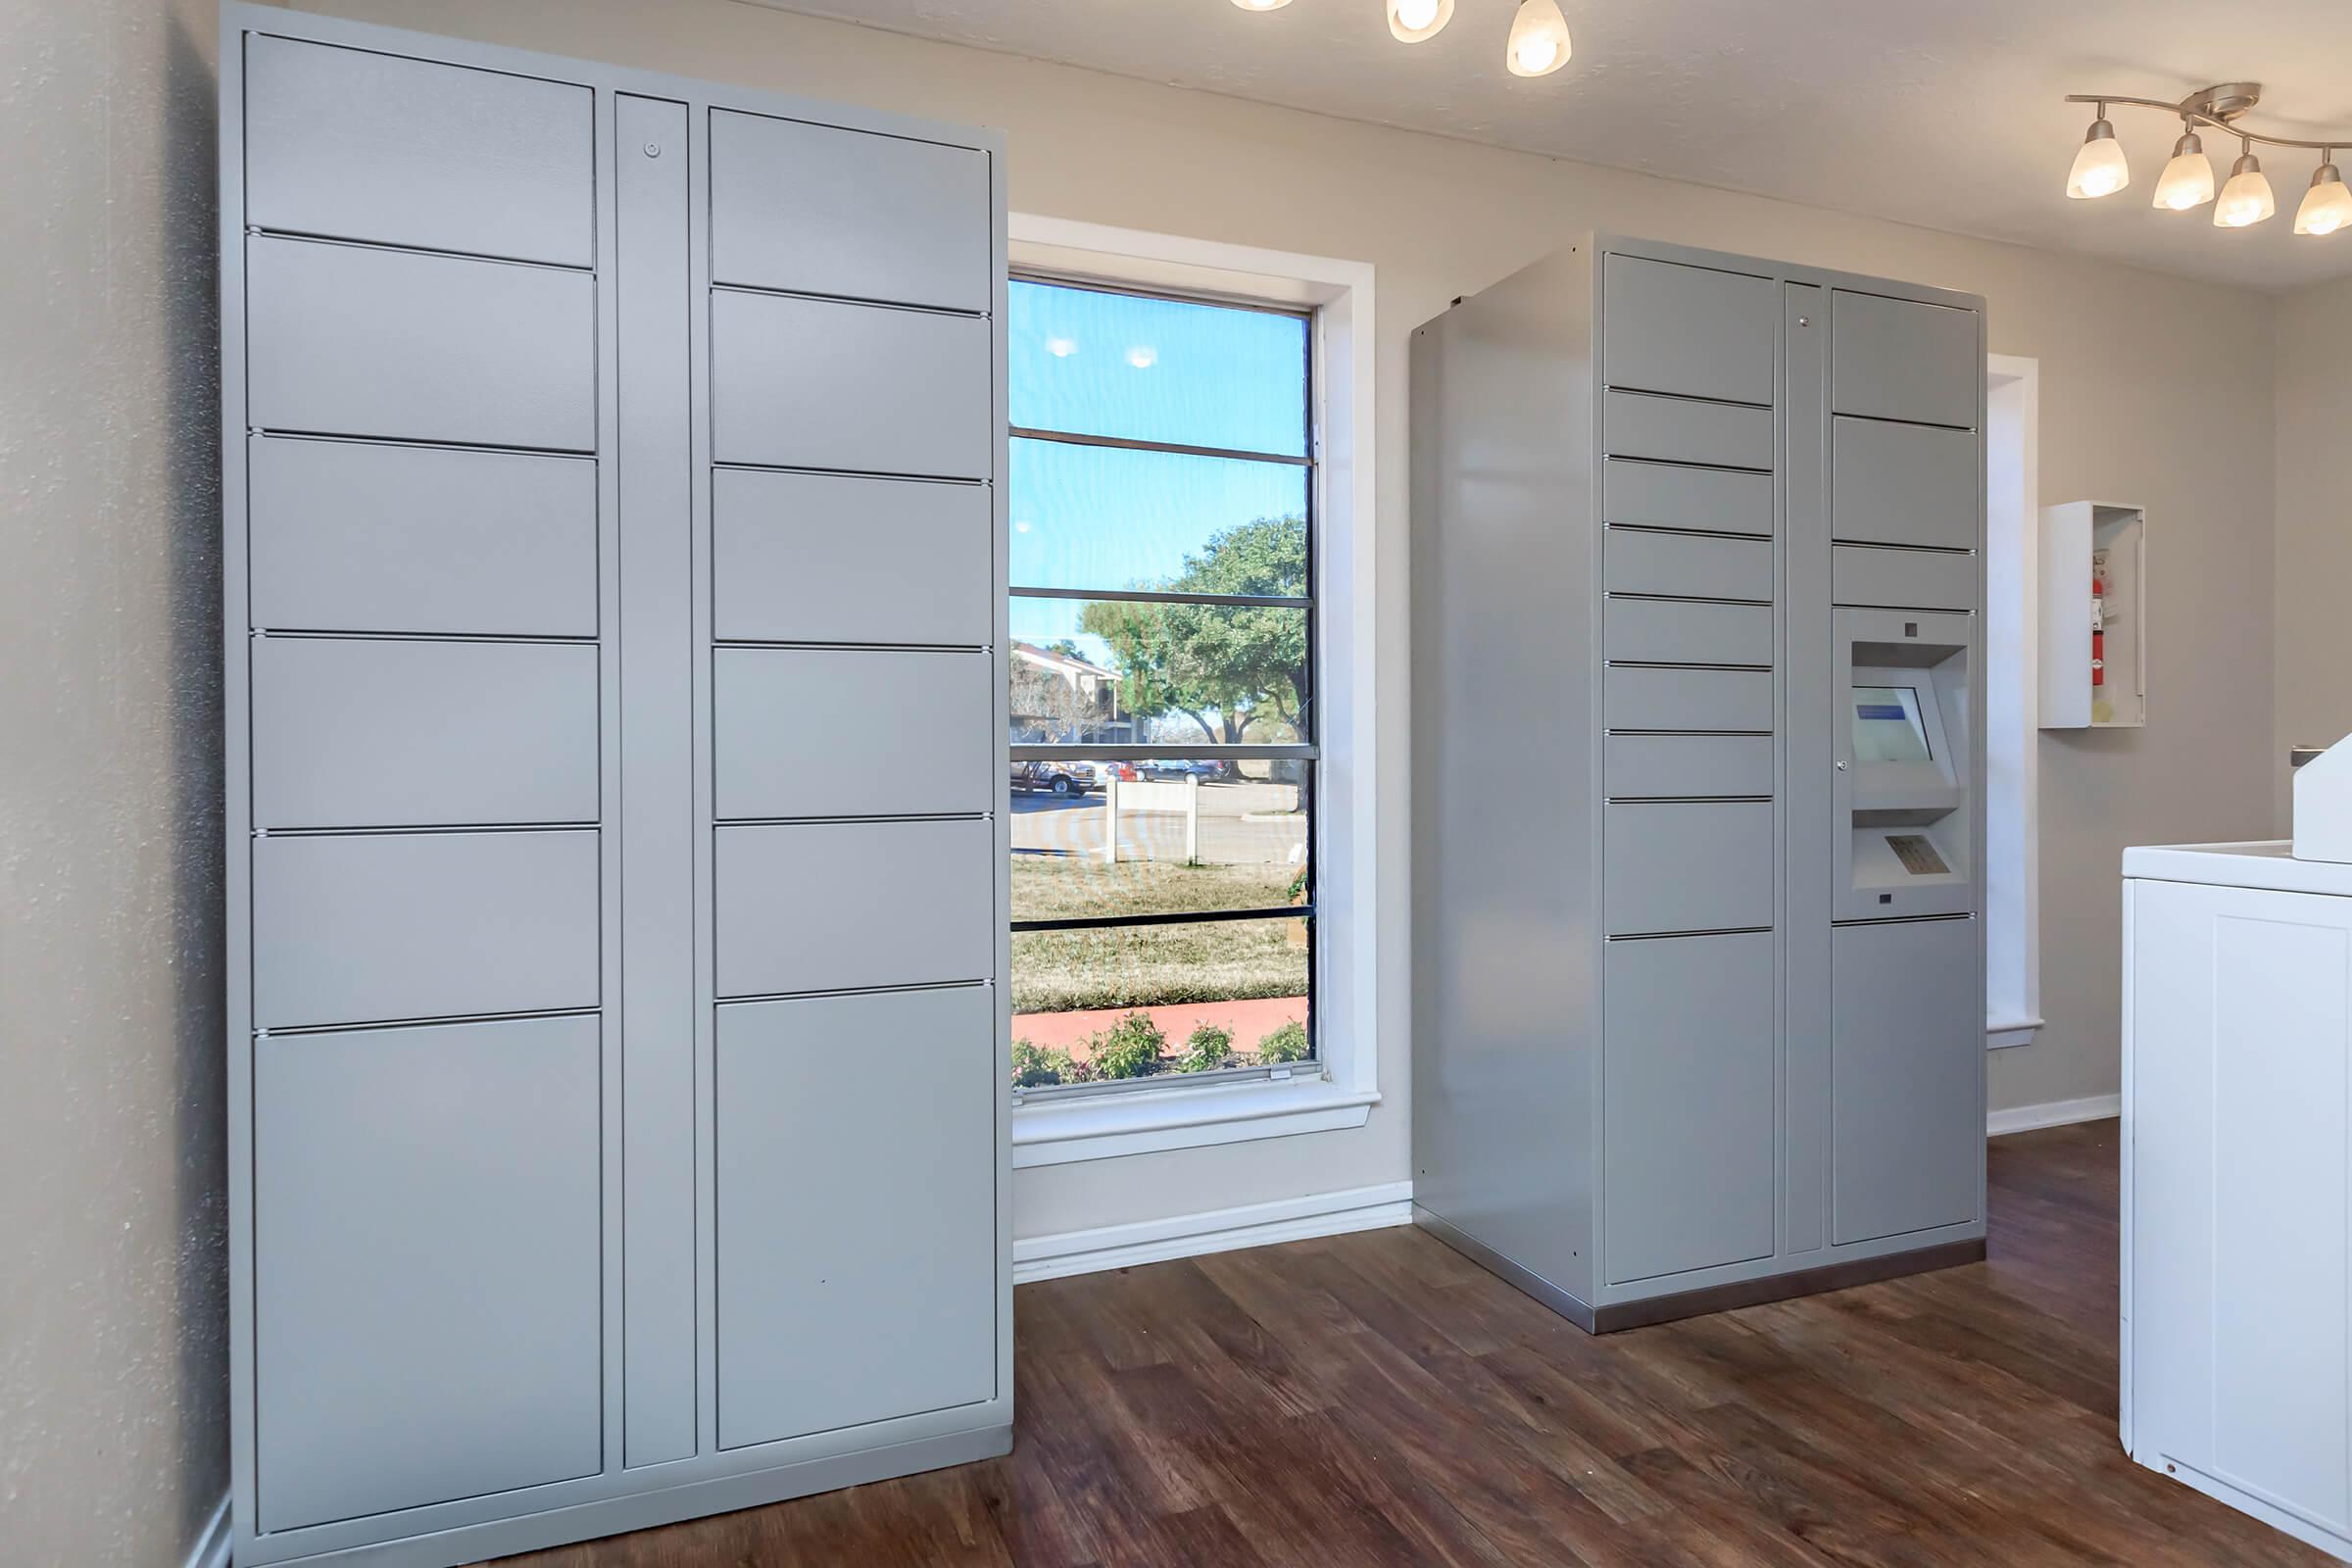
{"x": 1111, "y": 817}
{"x": 1192, "y": 820}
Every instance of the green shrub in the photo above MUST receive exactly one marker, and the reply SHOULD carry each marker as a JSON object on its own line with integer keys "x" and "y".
{"x": 1208, "y": 1049}
{"x": 1035, "y": 1066}
{"x": 1129, "y": 1049}
{"x": 1285, "y": 1044}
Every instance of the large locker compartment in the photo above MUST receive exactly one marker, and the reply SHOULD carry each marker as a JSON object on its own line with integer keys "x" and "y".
{"x": 1713, "y": 525}
{"x": 609, "y": 457}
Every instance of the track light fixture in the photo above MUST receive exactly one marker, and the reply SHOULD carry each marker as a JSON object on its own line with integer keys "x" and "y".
{"x": 2188, "y": 180}
{"x": 2245, "y": 199}
{"x": 2327, "y": 205}
{"x": 1538, "y": 44}
{"x": 1411, "y": 20}
{"x": 2099, "y": 167}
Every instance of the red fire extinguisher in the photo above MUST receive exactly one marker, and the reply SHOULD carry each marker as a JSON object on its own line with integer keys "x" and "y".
{"x": 2098, "y": 627}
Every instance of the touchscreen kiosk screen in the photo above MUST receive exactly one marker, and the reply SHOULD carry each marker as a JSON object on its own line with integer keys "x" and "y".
{"x": 1888, "y": 726}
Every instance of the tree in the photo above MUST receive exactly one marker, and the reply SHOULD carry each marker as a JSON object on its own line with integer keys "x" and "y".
{"x": 1222, "y": 666}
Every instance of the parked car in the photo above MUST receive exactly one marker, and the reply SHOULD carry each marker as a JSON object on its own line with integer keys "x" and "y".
{"x": 1063, "y": 779}
{"x": 1167, "y": 768}
{"x": 1067, "y": 778}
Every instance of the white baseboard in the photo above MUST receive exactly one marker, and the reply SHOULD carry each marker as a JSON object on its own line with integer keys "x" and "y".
{"x": 212, "y": 1543}
{"x": 2052, "y": 1113}
{"x": 1216, "y": 1230}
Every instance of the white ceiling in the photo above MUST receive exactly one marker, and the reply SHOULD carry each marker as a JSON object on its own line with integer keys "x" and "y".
{"x": 1945, "y": 114}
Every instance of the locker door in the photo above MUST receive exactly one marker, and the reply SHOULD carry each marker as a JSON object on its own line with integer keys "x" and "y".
{"x": 1906, "y": 1076}
{"x": 1688, "y": 1080}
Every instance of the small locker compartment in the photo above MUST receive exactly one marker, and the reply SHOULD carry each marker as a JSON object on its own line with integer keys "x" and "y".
{"x": 362, "y": 145}
{"x": 1903, "y": 579}
{"x": 1906, "y": 1076}
{"x": 1687, "y": 1083}
{"x": 1905, "y": 484}
{"x": 1646, "y": 698}
{"x": 1893, "y": 359}
{"x": 1671, "y": 494}
{"x": 1639, "y": 560}
{"x": 382, "y": 732}
{"x": 346, "y": 340}
{"x": 851, "y": 732}
{"x": 1640, "y": 424}
{"x": 838, "y": 906}
{"x": 856, "y": 1221}
{"x": 370, "y": 536}
{"x": 378, "y": 927}
{"x": 1679, "y": 631}
{"x": 801, "y": 383}
{"x": 427, "y": 1265}
{"x": 827, "y": 558}
{"x": 823, "y": 209}
{"x": 1660, "y": 767}
{"x": 1693, "y": 332}
{"x": 1687, "y": 865}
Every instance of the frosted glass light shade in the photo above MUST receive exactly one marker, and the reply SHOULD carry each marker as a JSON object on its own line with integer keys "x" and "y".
{"x": 2100, "y": 169}
{"x": 2246, "y": 199}
{"x": 1539, "y": 43}
{"x": 1411, "y": 20}
{"x": 1262, "y": 5}
{"x": 2326, "y": 206}
{"x": 2187, "y": 181}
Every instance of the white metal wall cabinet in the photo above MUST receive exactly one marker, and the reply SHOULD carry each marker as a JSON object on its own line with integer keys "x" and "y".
{"x": 1699, "y": 975}
{"x": 577, "y": 893}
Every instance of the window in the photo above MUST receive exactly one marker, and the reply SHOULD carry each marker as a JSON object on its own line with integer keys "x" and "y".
{"x": 1164, "y": 759}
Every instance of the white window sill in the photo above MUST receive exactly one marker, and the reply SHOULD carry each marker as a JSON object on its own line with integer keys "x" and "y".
{"x": 2001, "y": 1033}
{"x": 1147, "y": 1120}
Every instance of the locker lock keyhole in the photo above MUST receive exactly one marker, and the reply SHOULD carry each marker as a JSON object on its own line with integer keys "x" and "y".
{"x": 653, "y": 149}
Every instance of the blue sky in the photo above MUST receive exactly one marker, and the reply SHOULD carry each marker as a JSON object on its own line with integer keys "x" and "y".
{"x": 1151, "y": 369}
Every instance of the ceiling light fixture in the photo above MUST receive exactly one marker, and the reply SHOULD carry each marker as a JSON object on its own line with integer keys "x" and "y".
{"x": 1539, "y": 43}
{"x": 2327, "y": 205}
{"x": 1412, "y": 20}
{"x": 2100, "y": 169}
{"x": 2245, "y": 199}
{"x": 2186, "y": 180}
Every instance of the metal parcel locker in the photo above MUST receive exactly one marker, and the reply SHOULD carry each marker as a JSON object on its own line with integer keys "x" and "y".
{"x": 1699, "y": 779}
{"x": 617, "y": 1119}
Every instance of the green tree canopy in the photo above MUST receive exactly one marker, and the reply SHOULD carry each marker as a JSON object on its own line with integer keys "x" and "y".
{"x": 1222, "y": 666}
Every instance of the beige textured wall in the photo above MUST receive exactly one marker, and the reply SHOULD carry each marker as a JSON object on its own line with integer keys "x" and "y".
{"x": 113, "y": 1425}
{"x": 2315, "y": 521}
{"x": 1439, "y": 219}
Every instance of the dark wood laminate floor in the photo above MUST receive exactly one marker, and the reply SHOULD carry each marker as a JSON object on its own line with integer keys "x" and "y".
{"x": 1375, "y": 1399}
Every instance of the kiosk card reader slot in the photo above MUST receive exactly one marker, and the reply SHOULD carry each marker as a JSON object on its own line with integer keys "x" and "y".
{"x": 1903, "y": 773}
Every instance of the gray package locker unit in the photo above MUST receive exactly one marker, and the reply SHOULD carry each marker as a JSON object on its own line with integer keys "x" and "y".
{"x": 1698, "y": 547}
{"x": 576, "y": 1183}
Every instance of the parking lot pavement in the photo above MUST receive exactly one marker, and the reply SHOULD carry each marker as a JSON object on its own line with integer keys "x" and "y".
{"x": 1240, "y": 825}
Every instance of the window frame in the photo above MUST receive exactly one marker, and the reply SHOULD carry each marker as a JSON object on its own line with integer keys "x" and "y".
{"x": 1336, "y": 1087}
{"x": 2011, "y": 717}
{"x": 1307, "y": 752}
